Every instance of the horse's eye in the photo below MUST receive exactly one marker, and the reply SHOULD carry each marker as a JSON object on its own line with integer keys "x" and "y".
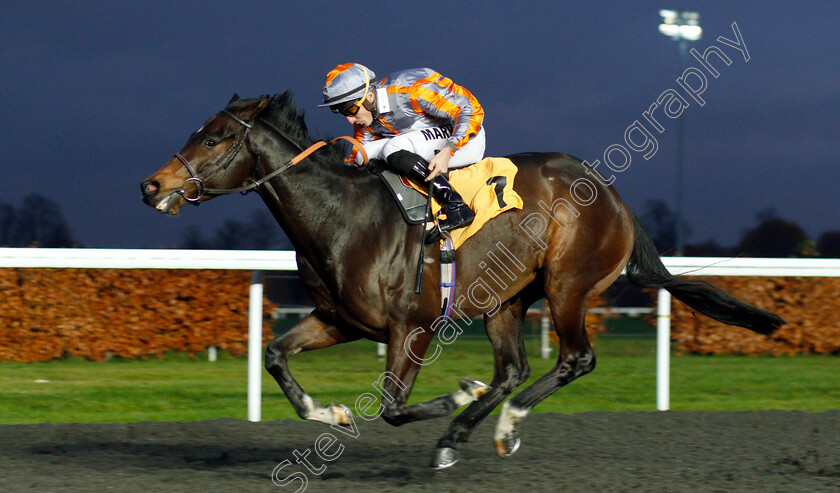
{"x": 210, "y": 143}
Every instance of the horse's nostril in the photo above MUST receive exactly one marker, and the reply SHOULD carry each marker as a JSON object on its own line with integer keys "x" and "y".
{"x": 150, "y": 188}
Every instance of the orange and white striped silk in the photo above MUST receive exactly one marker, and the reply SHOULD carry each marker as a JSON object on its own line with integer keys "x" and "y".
{"x": 422, "y": 98}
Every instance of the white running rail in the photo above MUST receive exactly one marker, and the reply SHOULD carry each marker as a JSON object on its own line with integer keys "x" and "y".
{"x": 259, "y": 260}
{"x": 253, "y": 260}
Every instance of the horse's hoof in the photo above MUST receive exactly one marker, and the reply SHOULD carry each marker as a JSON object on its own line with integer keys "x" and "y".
{"x": 507, "y": 446}
{"x": 444, "y": 457}
{"x": 341, "y": 414}
{"x": 474, "y": 387}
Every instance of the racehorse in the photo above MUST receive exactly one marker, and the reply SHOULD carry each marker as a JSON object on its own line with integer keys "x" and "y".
{"x": 356, "y": 256}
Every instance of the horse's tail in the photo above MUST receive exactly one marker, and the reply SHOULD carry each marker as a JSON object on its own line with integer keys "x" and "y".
{"x": 646, "y": 269}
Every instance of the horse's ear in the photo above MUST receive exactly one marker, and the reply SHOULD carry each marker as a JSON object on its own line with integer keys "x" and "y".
{"x": 235, "y": 97}
{"x": 252, "y": 110}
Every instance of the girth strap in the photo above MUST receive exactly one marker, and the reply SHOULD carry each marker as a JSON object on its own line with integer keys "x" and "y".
{"x": 447, "y": 276}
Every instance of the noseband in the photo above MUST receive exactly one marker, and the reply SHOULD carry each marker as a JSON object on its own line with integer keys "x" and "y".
{"x": 224, "y": 161}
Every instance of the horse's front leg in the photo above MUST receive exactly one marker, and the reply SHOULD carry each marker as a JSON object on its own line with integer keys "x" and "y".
{"x": 406, "y": 350}
{"x": 310, "y": 333}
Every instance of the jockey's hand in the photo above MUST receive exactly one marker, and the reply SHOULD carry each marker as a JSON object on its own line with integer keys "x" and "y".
{"x": 439, "y": 164}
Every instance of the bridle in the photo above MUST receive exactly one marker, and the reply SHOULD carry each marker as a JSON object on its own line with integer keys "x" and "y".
{"x": 224, "y": 161}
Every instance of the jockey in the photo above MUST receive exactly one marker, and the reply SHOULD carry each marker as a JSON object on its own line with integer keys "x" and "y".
{"x": 421, "y": 123}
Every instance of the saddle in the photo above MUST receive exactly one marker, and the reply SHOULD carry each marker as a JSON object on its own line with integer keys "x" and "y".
{"x": 486, "y": 186}
{"x": 411, "y": 202}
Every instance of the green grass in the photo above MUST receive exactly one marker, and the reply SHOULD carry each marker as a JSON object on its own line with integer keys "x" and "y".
{"x": 181, "y": 389}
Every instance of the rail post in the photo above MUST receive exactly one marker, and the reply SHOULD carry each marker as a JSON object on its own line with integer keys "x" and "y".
{"x": 255, "y": 309}
{"x": 545, "y": 329}
{"x": 663, "y": 349}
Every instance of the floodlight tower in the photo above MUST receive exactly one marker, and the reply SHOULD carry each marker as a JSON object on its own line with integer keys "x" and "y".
{"x": 681, "y": 27}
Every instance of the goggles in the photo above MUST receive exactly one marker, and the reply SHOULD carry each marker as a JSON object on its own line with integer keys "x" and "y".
{"x": 350, "y": 108}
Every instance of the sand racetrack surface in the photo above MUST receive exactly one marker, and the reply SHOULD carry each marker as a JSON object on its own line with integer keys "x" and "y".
{"x": 593, "y": 452}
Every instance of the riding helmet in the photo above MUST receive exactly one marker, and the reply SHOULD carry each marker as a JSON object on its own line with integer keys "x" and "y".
{"x": 347, "y": 82}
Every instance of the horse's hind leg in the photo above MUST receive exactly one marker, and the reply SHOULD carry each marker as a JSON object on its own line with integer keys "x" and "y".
{"x": 576, "y": 359}
{"x": 504, "y": 329}
{"x": 310, "y": 333}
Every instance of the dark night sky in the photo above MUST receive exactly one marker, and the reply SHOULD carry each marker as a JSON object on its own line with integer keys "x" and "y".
{"x": 97, "y": 97}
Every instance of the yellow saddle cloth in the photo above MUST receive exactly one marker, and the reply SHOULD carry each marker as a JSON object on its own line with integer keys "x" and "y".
{"x": 487, "y": 187}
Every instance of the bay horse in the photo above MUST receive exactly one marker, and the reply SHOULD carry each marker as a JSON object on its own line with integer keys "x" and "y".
{"x": 357, "y": 257}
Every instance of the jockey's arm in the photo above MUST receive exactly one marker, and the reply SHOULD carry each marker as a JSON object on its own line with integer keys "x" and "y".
{"x": 364, "y": 137}
{"x": 439, "y": 164}
{"x": 457, "y": 105}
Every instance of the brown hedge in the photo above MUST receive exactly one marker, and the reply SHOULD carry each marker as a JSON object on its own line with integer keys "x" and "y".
{"x": 808, "y": 304}
{"x": 48, "y": 314}
{"x": 97, "y": 313}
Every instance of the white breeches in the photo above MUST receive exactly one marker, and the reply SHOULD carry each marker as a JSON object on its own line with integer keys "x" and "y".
{"x": 426, "y": 143}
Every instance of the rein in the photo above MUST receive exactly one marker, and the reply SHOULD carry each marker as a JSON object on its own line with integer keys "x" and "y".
{"x": 224, "y": 161}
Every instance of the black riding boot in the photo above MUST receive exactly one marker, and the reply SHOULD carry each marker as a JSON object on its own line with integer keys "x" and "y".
{"x": 458, "y": 214}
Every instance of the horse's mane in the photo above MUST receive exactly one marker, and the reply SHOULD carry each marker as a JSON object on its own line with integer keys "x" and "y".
{"x": 282, "y": 114}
